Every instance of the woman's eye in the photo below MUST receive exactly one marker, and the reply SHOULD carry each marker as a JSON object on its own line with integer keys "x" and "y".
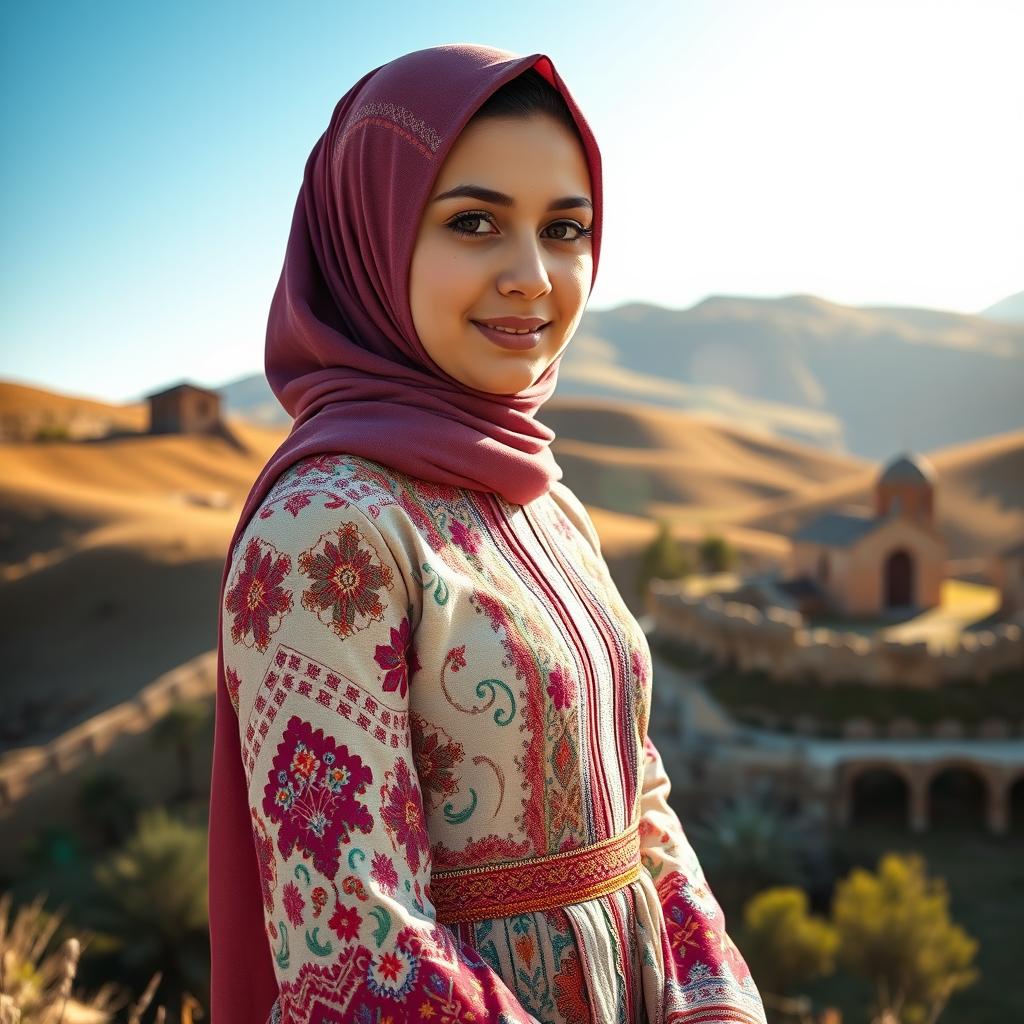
{"x": 471, "y": 217}
{"x": 581, "y": 231}
{"x": 478, "y": 218}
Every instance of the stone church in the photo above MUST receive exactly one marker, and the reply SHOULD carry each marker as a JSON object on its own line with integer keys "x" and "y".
{"x": 874, "y": 562}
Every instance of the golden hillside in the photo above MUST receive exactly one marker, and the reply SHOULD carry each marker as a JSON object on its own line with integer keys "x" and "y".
{"x": 111, "y": 551}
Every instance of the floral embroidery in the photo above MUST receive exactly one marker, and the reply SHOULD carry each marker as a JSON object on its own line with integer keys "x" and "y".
{"x": 318, "y": 464}
{"x": 265, "y": 857}
{"x": 319, "y": 900}
{"x": 383, "y": 873}
{"x": 345, "y": 922}
{"x": 346, "y": 579}
{"x": 435, "y": 761}
{"x": 561, "y": 688}
{"x": 571, "y": 991}
{"x": 393, "y": 974}
{"x": 293, "y": 903}
{"x": 402, "y": 814}
{"x": 296, "y": 502}
{"x": 399, "y": 660}
{"x": 256, "y": 599}
{"x": 311, "y": 794}
{"x": 467, "y": 539}
{"x": 350, "y": 822}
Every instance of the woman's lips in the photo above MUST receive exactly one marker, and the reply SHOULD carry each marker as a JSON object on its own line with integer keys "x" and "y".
{"x": 519, "y": 342}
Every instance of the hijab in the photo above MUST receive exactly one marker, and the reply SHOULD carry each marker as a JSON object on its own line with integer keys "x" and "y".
{"x": 344, "y": 359}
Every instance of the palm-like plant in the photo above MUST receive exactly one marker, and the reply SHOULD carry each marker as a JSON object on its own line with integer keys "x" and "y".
{"x": 155, "y": 899}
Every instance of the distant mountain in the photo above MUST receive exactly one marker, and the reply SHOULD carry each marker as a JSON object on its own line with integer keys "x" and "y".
{"x": 252, "y": 398}
{"x": 868, "y": 380}
{"x": 1009, "y": 310}
{"x": 863, "y": 380}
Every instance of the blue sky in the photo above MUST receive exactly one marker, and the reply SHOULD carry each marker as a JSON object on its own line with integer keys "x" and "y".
{"x": 868, "y": 152}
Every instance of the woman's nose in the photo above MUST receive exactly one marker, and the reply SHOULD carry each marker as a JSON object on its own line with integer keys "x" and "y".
{"x": 526, "y": 272}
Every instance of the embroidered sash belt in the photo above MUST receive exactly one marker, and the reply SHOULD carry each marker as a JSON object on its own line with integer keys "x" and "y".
{"x": 536, "y": 883}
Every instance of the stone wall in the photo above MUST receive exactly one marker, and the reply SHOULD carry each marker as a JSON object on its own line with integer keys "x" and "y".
{"x": 777, "y": 642}
{"x": 34, "y": 767}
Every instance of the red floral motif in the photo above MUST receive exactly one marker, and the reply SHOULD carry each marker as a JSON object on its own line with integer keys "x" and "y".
{"x": 231, "y": 678}
{"x": 312, "y": 794}
{"x": 319, "y": 900}
{"x": 345, "y": 922}
{"x": 696, "y": 926}
{"x": 346, "y": 576}
{"x": 295, "y": 503}
{"x": 647, "y": 829}
{"x": 294, "y": 904}
{"x": 399, "y": 660}
{"x": 435, "y": 760}
{"x": 570, "y": 991}
{"x": 257, "y": 599}
{"x": 561, "y": 688}
{"x": 467, "y": 539}
{"x": 265, "y": 857}
{"x": 317, "y": 464}
{"x": 402, "y": 814}
{"x": 384, "y": 874}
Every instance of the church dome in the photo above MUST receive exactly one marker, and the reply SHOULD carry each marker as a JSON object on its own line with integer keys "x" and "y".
{"x": 908, "y": 469}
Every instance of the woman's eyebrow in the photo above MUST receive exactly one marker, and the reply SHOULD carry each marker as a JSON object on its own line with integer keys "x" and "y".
{"x": 489, "y": 195}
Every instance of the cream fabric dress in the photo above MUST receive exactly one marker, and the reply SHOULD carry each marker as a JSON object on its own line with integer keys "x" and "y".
{"x": 429, "y": 678}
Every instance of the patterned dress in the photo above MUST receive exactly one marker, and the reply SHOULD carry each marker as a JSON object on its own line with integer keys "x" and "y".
{"x": 430, "y": 679}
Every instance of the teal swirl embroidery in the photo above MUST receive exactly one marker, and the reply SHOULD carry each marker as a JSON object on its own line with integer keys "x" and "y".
{"x": 459, "y": 817}
{"x": 415, "y": 902}
{"x": 282, "y": 956}
{"x": 383, "y": 925}
{"x": 490, "y": 684}
{"x": 314, "y": 944}
{"x": 455, "y": 660}
{"x": 440, "y": 588}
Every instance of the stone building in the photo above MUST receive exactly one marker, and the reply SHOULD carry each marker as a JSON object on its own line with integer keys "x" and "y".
{"x": 874, "y": 561}
{"x": 185, "y": 409}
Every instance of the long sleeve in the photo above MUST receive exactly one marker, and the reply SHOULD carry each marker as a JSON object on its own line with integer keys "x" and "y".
{"x": 320, "y": 653}
{"x": 704, "y": 969}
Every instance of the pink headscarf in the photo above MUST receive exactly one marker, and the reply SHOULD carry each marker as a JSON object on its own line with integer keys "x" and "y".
{"x": 343, "y": 357}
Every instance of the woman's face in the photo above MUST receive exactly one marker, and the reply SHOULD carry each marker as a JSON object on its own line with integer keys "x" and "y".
{"x": 515, "y": 255}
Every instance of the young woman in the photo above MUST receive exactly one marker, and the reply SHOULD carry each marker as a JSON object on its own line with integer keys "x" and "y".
{"x": 434, "y": 797}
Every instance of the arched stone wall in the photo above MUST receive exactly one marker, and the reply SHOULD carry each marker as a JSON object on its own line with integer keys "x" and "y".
{"x": 997, "y": 785}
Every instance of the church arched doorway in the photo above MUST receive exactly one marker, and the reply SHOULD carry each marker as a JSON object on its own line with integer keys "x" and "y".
{"x": 899, "y": 580}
